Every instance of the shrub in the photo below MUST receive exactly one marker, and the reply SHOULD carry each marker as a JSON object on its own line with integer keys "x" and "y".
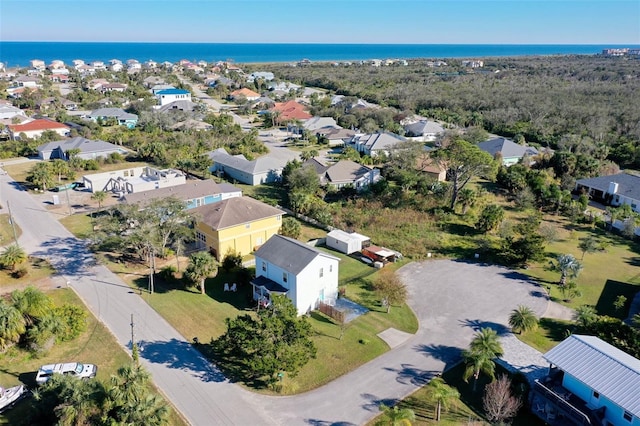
{"x": 20, "y": 272}
{"x": 73, "y": 319}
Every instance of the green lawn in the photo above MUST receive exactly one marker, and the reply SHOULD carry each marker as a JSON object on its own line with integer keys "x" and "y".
{"x": 96, "y": 346}
{"x": 37, "y": 269}
{"x": 79, "y": 225}
{"x": 6, "y": 230}
{"x": 550, "y": 332}
{"x": 606, "y": 274}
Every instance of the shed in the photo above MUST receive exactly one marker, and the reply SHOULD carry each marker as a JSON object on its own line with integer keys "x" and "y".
{"x": 345, "y": 242}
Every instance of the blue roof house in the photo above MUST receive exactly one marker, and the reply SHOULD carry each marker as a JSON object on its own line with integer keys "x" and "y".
{"x": 171, "y": 95}
{"x": 590, "y": 382}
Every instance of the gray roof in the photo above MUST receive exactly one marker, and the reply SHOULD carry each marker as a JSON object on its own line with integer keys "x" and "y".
{"x": 423, "y": 127}
{"x": 628, "y": 184}
{"x": 118, "y": 113}
{"x": 604, "y": 368}
{"x": 257, "y": 166}
{"x": 190, "y": 190}
{"x": 182, "y": 105}
{"x": 317, "y": 165}
{"x": 316, "y": 123}
{"x": 289, "y": 254}
{"x": 346, "y": 171}
{"x": 381, "y": 141}
{"x": 234, "y": 211}
{"x": 507, "y": 148}
{"x": 83, "y": 144}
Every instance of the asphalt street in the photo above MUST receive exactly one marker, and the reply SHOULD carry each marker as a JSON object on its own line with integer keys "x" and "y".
{"x": 451, "y": 299}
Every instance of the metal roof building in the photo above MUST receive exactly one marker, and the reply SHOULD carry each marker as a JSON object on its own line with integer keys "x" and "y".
{"x": 604, "y": 368}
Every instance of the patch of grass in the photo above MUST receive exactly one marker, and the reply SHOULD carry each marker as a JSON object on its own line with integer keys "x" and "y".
{"x": 550, "y": 332}
{"x": 37, "y": 269}
{"x": 617, "y": 263}
{"x": 19, "y": 171}
{"x": 6, "y": 230}
{"x": 310, "y": 232}
{"x": 80, "y": 225}
{"x": 96, "y": 345}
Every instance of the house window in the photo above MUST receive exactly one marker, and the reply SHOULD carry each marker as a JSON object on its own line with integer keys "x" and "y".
{"x": 285, "y": 277}
{"x": 330, "y": 268}
{"x": 126, "y": 173}
{"x": 596, "y": 395}
{"x": 627, "y": 416}
{"x": 279, "y": 218}
{"x": 247, "y": 226}
{"x": 264, "y": 266}
{"x": 321, "y": 272}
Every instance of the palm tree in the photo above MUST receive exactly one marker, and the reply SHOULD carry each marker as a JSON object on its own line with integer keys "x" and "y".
{"x": 568, "y": 266}
{"x": 442, "y": 394}
{"x": 585, "y": 315}
{"x": 99, "y": 197}
{"x": 129, "y": 400}
{"x": 32, "y": 303}
{"x": 523, "y": 319}
{"x": 12, "y": 324}
{"x": 13, "y": 256}
{"x": 201, "y": 266}
{"x": 467, "y": 198}
{"x": 479, "y": 357}
{"x": 396, "y": 416}
{"x": 59, "y": 167}
{"x": 40, "y": 175}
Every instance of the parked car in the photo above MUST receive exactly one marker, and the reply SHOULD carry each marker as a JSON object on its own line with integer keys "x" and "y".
{"x": 83, "y": 371}
{"x": 9, "y": 396}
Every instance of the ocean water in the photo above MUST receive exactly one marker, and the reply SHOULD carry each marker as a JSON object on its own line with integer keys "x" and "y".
{"x": 20, "y": 53}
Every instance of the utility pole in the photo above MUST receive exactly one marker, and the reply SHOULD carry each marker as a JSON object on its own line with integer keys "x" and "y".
{"x": 13, "y": 226}
{"x": 134, "y": 347}
{"x": 68, "y": 202}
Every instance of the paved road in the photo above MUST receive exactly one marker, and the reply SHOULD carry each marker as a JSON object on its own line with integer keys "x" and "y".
{"x": 451, "y": 300}
{"x": 197, "y": 389}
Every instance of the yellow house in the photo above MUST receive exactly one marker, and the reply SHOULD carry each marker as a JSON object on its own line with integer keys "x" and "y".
{"x": 239, "y": 224}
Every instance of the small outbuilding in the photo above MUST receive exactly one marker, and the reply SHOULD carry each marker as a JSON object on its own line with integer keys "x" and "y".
{"x": 345, "y": 242}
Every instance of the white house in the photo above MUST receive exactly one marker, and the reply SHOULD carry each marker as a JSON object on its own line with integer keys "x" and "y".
{"x": 590, "y": 382}
{"x": 171, "y": 95}
{"x": 134, "y": 179}
{"x": 424, "y": 130}
{"x": 303, "y": 273}
{"x": 615, "y": 190}
{"x": 345, "y": 242}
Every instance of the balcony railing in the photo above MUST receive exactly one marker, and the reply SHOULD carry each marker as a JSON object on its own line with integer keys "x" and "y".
{"x": 562, "y": 405}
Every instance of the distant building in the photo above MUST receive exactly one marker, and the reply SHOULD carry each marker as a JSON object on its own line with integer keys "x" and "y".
{"x": 171, "y": 95}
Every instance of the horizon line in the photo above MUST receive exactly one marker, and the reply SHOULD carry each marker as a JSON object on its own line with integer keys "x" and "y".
{"x": 326, "y": 43}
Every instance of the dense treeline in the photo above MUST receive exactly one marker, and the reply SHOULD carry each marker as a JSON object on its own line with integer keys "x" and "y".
{"x": 544, "y": 99}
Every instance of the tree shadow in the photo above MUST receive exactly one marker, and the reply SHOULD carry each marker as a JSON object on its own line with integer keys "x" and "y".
{"x": 182, "y": 356}
{"x": 317, "y": 422}
{"x": 610, "y": 292}
{"x": 450, "y": 355}
{"x": 476, "y": 325}
{"x": 410, "y": 374}
{"x": 69, "y": 256}
{"x": 372, "y": 402}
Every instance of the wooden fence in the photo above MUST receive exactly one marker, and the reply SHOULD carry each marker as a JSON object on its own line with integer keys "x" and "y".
{"x": 332, "y": 312}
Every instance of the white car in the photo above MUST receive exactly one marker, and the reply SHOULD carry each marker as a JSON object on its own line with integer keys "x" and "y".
{"x": 9, "y": 396}
{"x": 83, "y": 371}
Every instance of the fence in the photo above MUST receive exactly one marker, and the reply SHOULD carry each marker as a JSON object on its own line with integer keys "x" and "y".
{"x": 332, "y": 312}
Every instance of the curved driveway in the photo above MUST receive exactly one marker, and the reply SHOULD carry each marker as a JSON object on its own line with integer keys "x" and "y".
{"x": 451, "y": 299}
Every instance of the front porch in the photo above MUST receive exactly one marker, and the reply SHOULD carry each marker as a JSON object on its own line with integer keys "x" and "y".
{"x": 555, "y": 405}
{"x": 262, "y": 288}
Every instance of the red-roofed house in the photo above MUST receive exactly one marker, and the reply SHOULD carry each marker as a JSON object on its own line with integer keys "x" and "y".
{"x": 35, "y": 128}
{"x": 249, "y": 94}
{"x": 289, "y": 111}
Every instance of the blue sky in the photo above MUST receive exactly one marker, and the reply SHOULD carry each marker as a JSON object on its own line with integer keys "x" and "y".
{"x": 325, "y": 21}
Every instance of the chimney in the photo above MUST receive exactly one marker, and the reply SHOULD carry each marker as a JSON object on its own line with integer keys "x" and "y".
{"x": 613, "y": 188}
